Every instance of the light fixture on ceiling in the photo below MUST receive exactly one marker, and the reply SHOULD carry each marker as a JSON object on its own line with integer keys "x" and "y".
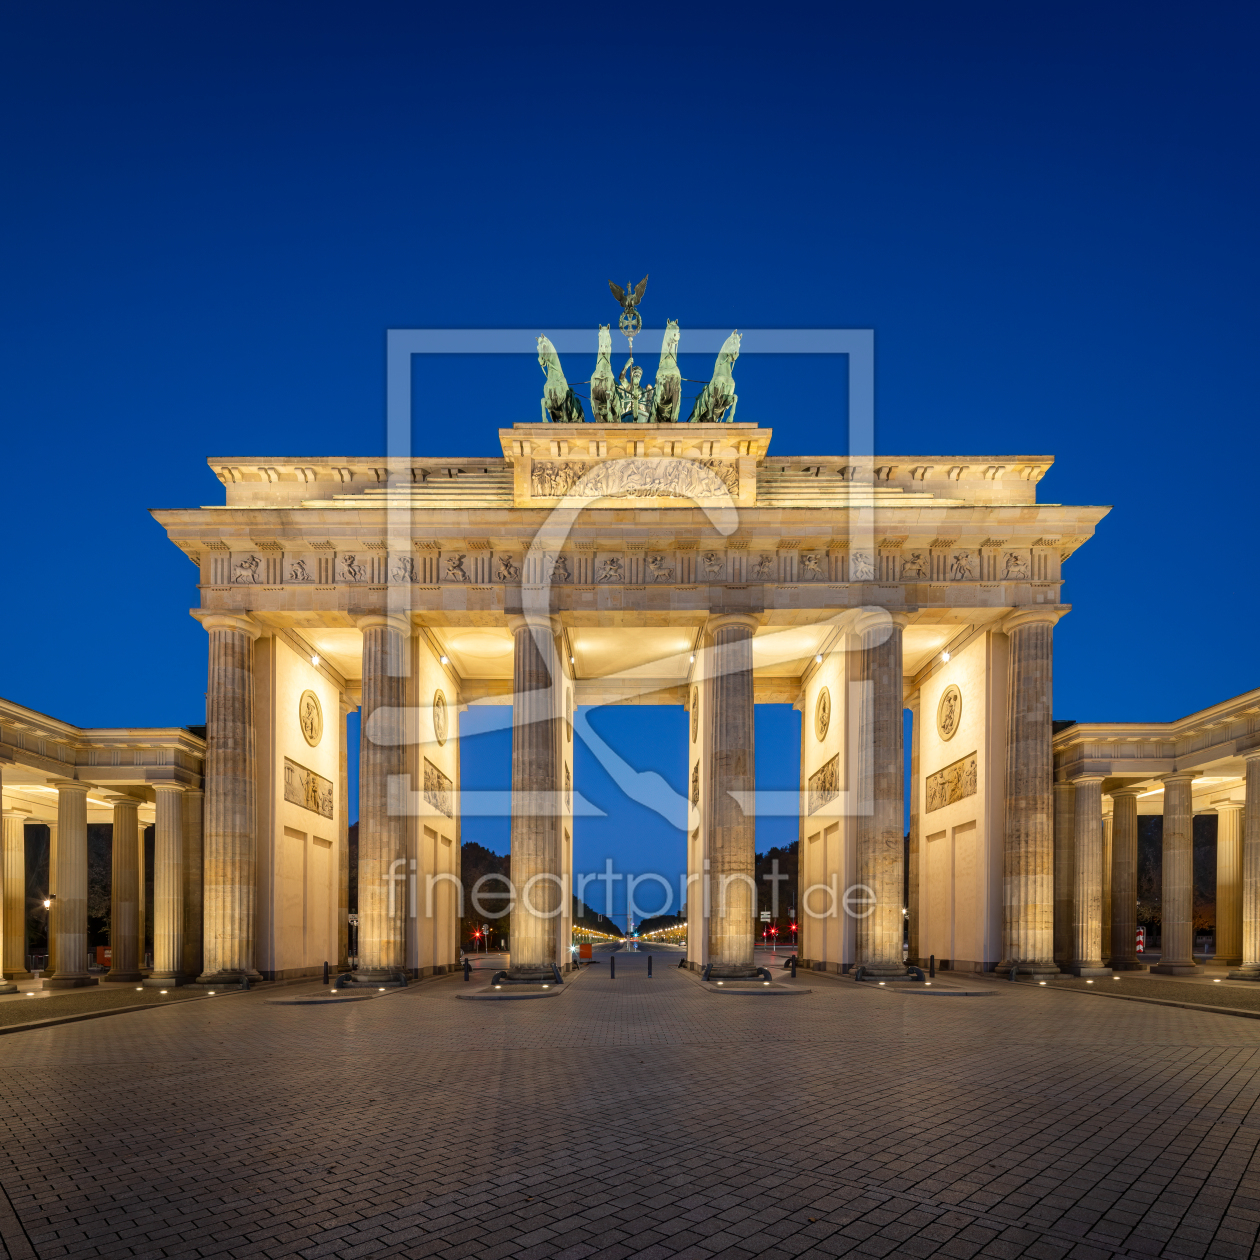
{"x": 818, "y": 658}
{"x": 315, "y": 658}
{"x": 945, "y": 657}
{"x": 444, "y": 660}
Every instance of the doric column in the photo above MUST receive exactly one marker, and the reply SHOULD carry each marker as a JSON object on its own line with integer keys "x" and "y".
{"x": 168, "y": 888}
{"x": 881, "y": 791}
{"x": 142, "y": 905}
{"x": 1028, "y": 863}
{"x": 193, "y": 804}
{"x": 14, "y": 859}
{"x": 1124, "y": 847}
{"x": 70, "y": 885}
{"x": 1228, "y": 883}
{"x": 536, "y": 793}
{"x": 382, "y": 831}
{"x": 50, "y": 917}
{"x": 1176, "y": 903}
{"x": 1250, "y": 969}
{"x": 916, "y": 739}
{"x": 124, "y": 903}
{"x": 1106, "y": 893}
{"x": 1087, "y": 859}
{"x": 1064, "y": 876}
{"x": 230, "y": 855}
{"x": 345, "y": 706}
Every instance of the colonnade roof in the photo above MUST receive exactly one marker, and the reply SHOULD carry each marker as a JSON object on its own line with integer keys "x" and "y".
{"x": 1212, "y": 744}
{"x": 37, "y": 750}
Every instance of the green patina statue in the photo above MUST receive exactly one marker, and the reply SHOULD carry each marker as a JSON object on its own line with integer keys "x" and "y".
{"x": 667, "y": 392}
{"x": 560, "y": 405}
{"x": 719, "y": 393}
{"x": 604, "y": 401}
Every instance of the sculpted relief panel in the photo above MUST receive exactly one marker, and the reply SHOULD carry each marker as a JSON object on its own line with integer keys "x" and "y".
{"x": 955, "y": 783}
{"x": 638, "y": 477}
{"x": 306, "y": 788}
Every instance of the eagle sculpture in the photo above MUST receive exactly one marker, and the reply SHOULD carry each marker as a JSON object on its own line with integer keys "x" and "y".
{"x": 632, "y": 299}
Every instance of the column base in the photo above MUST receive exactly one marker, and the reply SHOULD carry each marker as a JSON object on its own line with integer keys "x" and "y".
{"x": 1176, "y": 969}
{"x": 1038, "y": 968}
{"x": 226, "y": 978}
{"x": 30, "y": 975}
{"x": 1125, "y": 964}
{"x": 1251, "y": 972}
{"x": 1220, "y": 960}
{"x": 170, "y": 981}
{"x": 732, "y": 971}
{"x": 69, "y": 982}
{"x": 1088, "y": 969}
{"x": 121, "y": 977}
{"x": 8, "y": 988}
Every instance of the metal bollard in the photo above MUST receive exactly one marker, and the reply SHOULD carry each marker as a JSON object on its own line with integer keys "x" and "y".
{"x": 612, "y": 966}
{"x": 467, "y": 971}
{"x": 932, "y": 966}
{"x": 649, "y": 966}
{"x": 1014, "y": 971}
{"x": 793, "y": 966}
{"x": 325, "y": 973}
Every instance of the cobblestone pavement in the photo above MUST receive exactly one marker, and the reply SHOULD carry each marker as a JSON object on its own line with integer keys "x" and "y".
{"x": 636, "y": 1117}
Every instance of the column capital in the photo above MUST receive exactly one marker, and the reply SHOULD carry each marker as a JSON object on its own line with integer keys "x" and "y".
{"x": 1134, "y": 790}
{"x": 1180, "y": 776}
{"x": 391, "y": 621}
{"x": 243, "y": 623}
{"x": 177, "y": 788}
{"x": 750, "y": 621}
{"x": 1228, "y": 805}
{"x": 1078, "y": 779}
{"x": 874, "y": 618}
{"x": 1252, "y": 754}
{"x": 1031, "y": 617}
{"x": 23, "y": 814}
{"x": 538, "y": 621}
{"x": 71, "y": 785}
{"x": 194, "y": 791}
{"x": 122, "y": 800}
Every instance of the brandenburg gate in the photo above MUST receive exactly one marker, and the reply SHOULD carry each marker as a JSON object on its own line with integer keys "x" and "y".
{"x": 648, "y": 563}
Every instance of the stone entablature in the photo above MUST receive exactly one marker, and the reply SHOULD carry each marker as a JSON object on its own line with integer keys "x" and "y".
{"x": 48, "y": 746}
{"x": 1215, "y": 738}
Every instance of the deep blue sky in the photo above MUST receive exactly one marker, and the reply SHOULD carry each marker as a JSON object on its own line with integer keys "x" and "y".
{"x": 212, "y": 213}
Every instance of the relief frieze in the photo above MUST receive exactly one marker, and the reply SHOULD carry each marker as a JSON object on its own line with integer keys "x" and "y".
{"x": 636, "y": 477}
{"x": 306, "y": 788}
{"x": 955, "y": 783}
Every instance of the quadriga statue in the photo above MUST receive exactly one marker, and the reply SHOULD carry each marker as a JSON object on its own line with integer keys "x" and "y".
{"x": 560, "y": 405}
{"x": 719, "y": 394}
{"x": 667, "y": 392}
{"x": 604, "y": 402}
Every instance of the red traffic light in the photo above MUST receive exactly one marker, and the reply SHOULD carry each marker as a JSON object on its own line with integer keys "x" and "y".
{"x": 793, "y": 927}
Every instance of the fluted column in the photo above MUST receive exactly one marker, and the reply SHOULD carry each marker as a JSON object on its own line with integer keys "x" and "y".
{"x": 916, "y": 739}
{"x": 1250, "y": 969}
{"x": 70, "y": 922}
{"x": 1064, "y": 875}
{"x": 345, "y": 706}
{"x": 50, "y": 917}
{"x": 732, "y": 814}
{"x": 1176, "y": 902}
{"x": 382, "y": 831}
{"x": 1028, "y": 863}
{"x": 1106, "y": 893}
{"x": 230, "y": 856}
{"x": 1124, "y": 851}
{"x": 880, "y": 794}
{"x": 168, "y": 888}
{"x": 1229, "y": 883}
{"x": 1087, "y": 861}
{"x": 142, "y": 905}
{"x": 536, "y": 793}
{"x": 14, "y": 858}
{"x": 193, "y": 804}
{"x": 124, "y": 906}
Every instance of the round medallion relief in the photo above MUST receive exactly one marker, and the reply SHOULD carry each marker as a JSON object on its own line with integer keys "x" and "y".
{"x": 949, "y": 712}
{"x": 695, "y": 712}
{"x": 822, "y": 714}
{"x": 439, "y": 717}
{"x": 568, "y": 715}
{"x": 311, "y": 718}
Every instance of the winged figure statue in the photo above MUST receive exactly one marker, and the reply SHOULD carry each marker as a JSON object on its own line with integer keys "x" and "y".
{"x": 631, "y": 299}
